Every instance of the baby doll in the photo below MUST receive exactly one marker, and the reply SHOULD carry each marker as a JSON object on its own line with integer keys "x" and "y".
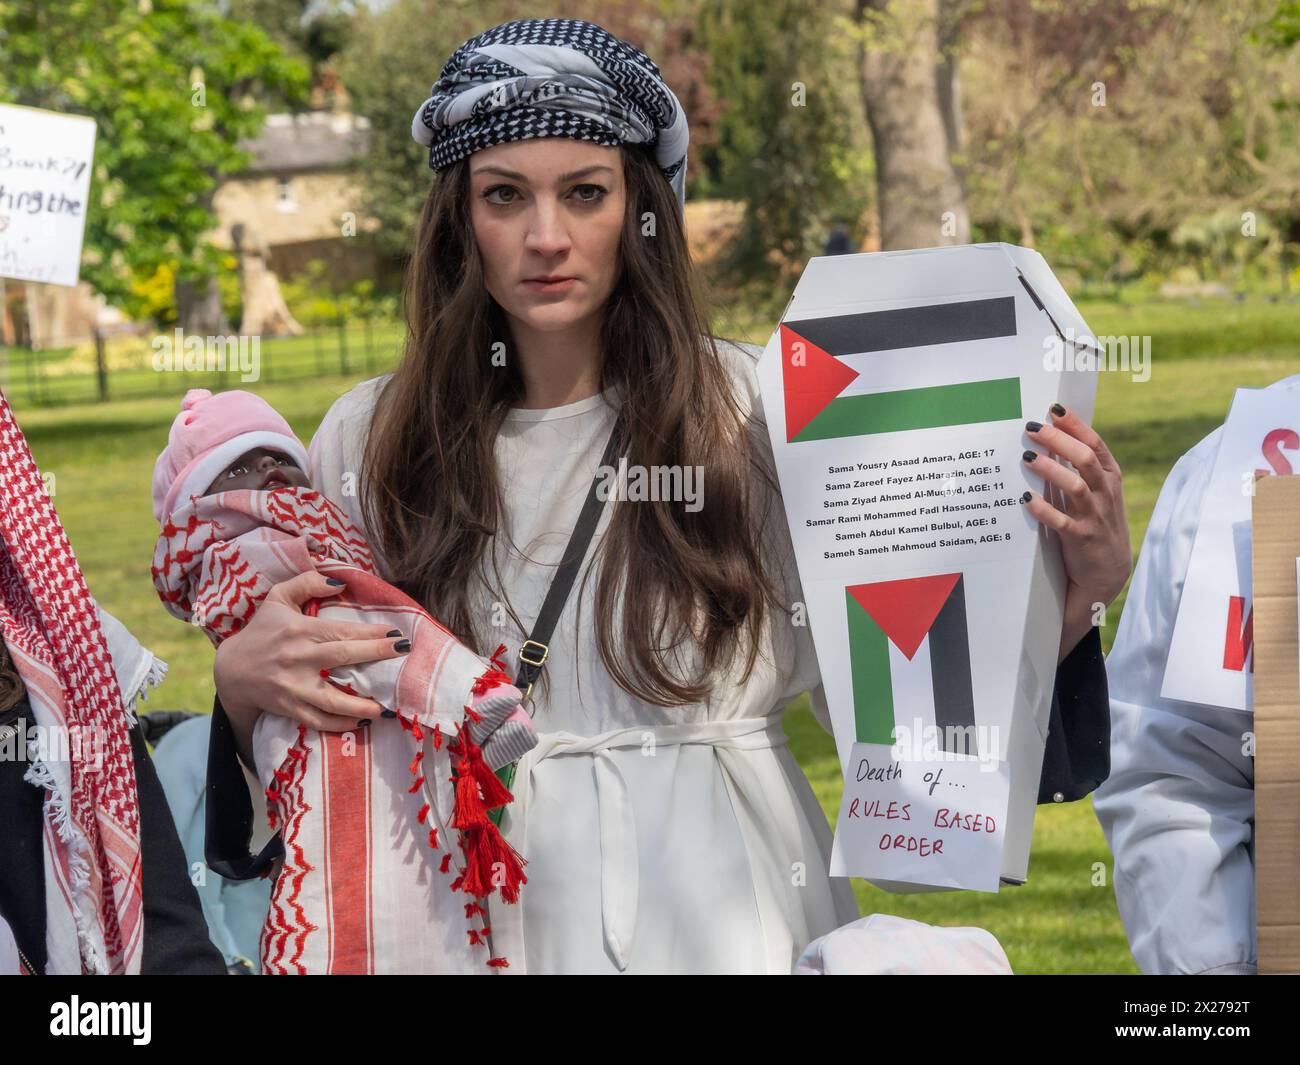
{"x": 371, "y": 820}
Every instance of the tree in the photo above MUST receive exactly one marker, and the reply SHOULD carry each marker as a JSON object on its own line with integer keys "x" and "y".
{"x": 172, "y": 87}
{"x": 914, "y": 125}
{"x": 1127, "y": 135}
{"x": 310, "y": 30}
{"x": 392, "y": 57}
{"x": 786, "y": 142}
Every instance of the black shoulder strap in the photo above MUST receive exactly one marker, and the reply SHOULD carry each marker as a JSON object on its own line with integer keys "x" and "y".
{"x": 228, "y": 812}
{"x": 533, "y": 653}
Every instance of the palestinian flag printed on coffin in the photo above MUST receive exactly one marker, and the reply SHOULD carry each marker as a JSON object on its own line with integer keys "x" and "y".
{"x": 842, "y": 375}
{"x": 910, "y": 657}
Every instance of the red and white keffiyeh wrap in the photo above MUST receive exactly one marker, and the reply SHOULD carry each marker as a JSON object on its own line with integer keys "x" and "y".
{"x": 82, "y": 752}
{"x": 369, "y": 819}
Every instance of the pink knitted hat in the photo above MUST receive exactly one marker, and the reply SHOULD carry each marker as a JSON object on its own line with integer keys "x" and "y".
{"x": 208, "y": 435}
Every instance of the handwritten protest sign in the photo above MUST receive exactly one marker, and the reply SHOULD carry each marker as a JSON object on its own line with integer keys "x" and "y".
{"x": 45, "y": 169}
{"x": 947, "y": 817}
{"x": 1211, "y": 654}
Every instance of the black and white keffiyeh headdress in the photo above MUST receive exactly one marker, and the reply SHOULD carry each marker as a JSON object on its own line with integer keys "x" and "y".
{"x": 553, "y": 77}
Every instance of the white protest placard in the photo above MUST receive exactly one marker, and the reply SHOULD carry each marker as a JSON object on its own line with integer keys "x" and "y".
{"x": 1210, "y": 656}
{"x": 896, "y": 390}
{"x": 45, "y": 168}
{"x": 935, "y": 821}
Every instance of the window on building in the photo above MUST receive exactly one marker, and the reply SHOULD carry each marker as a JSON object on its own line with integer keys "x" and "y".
{"x": 284, "y": 195}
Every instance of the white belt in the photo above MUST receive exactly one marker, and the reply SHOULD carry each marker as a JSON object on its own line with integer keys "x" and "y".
{"x": 619, "y": 872}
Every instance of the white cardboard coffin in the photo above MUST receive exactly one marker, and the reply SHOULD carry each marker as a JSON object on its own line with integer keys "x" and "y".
{"x": 896, "y": 388}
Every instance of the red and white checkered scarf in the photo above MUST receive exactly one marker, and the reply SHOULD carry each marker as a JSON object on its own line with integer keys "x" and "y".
{"x": 216, "y": 559}
{"x": 92, "y": 820}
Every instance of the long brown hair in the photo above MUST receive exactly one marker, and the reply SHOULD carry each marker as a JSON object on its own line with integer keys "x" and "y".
{"x": 429, "y": 485}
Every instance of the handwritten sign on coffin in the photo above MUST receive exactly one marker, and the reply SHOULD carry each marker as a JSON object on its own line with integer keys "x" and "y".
{"x": 896, "y": 388}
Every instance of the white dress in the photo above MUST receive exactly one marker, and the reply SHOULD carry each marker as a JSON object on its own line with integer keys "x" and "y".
{"x": 678, "y": 840}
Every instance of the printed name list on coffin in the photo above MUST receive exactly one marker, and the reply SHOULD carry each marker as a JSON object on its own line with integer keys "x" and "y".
{"x": 826, "y": 397}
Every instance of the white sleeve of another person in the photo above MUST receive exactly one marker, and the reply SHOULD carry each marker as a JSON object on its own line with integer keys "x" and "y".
{"x": 1178, "y": 808}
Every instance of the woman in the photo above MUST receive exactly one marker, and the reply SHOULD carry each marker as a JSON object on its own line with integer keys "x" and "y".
{"x": 667, "y": 825}
{"x": 92, "y": 876}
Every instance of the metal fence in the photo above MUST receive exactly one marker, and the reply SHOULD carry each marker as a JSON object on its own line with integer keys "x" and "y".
{"x": 53, "y": 377}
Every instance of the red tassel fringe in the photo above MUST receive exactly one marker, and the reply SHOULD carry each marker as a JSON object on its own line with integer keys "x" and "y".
{"x": 490, "y": 862}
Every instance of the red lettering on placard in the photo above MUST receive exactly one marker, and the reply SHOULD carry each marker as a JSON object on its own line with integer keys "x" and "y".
{"x": 945, "y": 818}
{"x": 1274, "y": 441}
{"x": 1239, "y": 638}
{"x": 892, "y": 812}
{"x": 922, "y": 847}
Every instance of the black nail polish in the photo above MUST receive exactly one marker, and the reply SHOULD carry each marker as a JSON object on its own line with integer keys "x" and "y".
{"x": 1029, "y": 456}
{"x": 1026, "y": 497}
{"x": 334, "y": 582}
{"x": 363, "y": 722}
{"x": 394, "y": 632}
{"x": 402, "y": 646}
{"x": 1058, "y": 410}
{"x": 389, "y": 713}
{"x": 1033, "y": 427}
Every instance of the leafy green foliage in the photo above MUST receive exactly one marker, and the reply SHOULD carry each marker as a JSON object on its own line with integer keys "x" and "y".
{"x": 172, "y": 86}
{"x": 786, "y": 142}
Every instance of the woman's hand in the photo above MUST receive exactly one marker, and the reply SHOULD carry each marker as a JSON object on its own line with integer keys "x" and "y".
{"x": 274, "y": 665}
{"x": 1093, "y": 528}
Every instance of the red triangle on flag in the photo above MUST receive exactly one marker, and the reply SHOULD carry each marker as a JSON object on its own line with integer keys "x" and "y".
{"x": 812, "y": 378}
{"x": 905, "y": 609}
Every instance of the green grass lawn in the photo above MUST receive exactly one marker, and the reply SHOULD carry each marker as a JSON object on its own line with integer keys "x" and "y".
{"x": 1064, "y": 919}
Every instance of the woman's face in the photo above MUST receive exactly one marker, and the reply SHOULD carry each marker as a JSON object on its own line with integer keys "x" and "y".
{"x": 548, "y": 208}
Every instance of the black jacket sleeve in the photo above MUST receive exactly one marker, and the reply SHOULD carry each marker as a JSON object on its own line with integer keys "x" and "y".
{"x": 228, "y": 827}
{"x": 1077, "y": 758}
{"x": 175, "y": 933}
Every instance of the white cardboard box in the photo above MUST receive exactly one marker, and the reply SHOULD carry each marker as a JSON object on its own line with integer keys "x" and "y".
{"x": 896, "y": 388}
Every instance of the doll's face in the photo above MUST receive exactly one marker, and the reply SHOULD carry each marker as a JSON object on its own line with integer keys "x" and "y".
{"x": 549, "y": 207}
{"x": 261, "y": 470}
